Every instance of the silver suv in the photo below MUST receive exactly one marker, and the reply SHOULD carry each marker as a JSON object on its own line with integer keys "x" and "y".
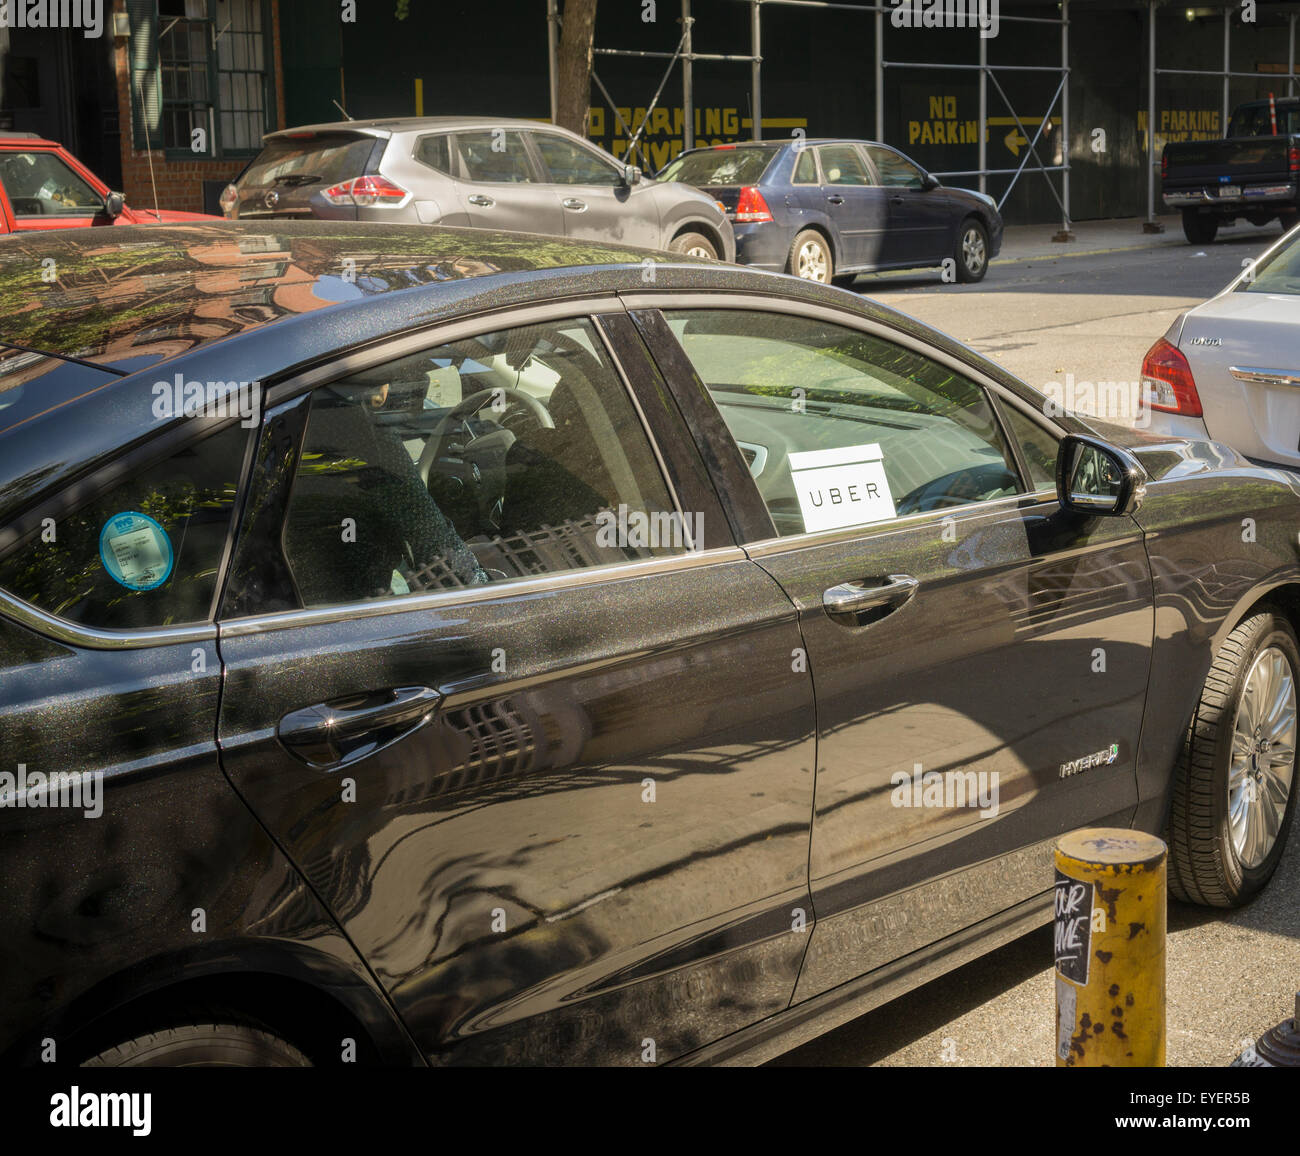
{"x": 485, "y": 172}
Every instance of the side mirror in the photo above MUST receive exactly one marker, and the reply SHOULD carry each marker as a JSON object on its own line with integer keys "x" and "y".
{"x": 929, "y": 182}
{"x": 114, "y": 203}
{"x": 1096, "y": 478}
{"x": 631, "y": 175}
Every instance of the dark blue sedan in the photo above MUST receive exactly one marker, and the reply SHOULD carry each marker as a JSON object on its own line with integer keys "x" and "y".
{"x": 826, "y": 210}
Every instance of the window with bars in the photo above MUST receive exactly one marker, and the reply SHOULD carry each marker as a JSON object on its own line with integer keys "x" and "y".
{"x": 200, "y": 65}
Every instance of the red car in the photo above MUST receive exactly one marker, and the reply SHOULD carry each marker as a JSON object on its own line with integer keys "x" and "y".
{"x": 42, "y": 186}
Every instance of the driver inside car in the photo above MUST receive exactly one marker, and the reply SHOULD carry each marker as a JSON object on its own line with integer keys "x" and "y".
{"x": 359, "y": 501}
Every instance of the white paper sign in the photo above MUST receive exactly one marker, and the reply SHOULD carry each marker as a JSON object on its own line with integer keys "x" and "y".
{"x": 841, "y": 487}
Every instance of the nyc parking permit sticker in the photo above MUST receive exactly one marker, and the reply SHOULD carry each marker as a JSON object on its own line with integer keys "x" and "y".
{"x": 135, "y": 551}
{"x": 841, "y": 487}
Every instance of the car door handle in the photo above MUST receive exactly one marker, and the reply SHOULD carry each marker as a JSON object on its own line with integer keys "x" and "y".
{"x": 480, "y": 199}
{"x": 574, "y": 203}
{"x": 343, "y": 730}
{"x": 883, "y": 596}
{"x": 895, "y": 200}
{"x": 836, "y": 199}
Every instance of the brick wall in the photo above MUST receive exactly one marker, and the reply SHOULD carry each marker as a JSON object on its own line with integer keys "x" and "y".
{"x": 179, "y": 182}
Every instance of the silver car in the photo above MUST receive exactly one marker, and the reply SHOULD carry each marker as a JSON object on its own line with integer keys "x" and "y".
{"x": 1230, "y": 368}
{"x": 485, "y": 172}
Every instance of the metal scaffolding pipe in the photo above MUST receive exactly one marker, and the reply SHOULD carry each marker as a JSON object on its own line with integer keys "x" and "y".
{"x": 756, "y": 68}
{"x": 688, "y": 79}
{"x": 1065, "y": 234}
{"x": 1151, "y": 117}
{"x": 552, "y": 49}
{"x": 984, "y": 114}
{"x": 1227, "y": 64}
{"x": 880, "y": 75}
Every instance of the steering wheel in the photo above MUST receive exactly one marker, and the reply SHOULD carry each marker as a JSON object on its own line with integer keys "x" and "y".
{"x": 472, "y": 404}
{"x": 957, "y": 489}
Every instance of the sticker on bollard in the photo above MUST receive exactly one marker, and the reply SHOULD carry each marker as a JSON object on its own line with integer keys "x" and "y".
{"x": 1109, "y": 943}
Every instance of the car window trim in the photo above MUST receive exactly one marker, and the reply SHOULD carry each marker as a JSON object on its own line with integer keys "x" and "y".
{"x": 588, "y": 309}
{"x": 533, "y": 169}
{"x": 673, "y": 300}
{"x": 453, "y": 152}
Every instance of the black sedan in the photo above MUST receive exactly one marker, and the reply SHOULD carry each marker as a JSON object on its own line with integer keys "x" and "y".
{"x": 827, "y": 210}
{"x": 425, "y": 646}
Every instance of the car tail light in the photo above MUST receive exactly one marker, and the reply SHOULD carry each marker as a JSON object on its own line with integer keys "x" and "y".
{"x": 367, "y": 191}
{"x": 1293, "y": 158}
{"x": 751, "y": 207}
{"x": 229, "y": 201}
{"x": 1167, "y": 382}
{"x": 1164, "y": 172}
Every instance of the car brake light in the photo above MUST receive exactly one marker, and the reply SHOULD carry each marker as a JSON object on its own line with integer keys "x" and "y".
{"x": 1164, "y": 172}
{"x": 751, "y": 207}
{"x": 367, "y": 191}
{"x": 229, "y": 200}
{"x": 1293, "y": 158}
{"x": 1167, "y": 382}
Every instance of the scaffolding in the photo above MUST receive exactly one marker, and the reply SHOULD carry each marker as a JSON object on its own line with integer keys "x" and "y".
{"x": 685, "y": 52}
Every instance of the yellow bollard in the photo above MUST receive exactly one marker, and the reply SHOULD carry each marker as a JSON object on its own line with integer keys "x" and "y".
{"x": 1109, "y": 933}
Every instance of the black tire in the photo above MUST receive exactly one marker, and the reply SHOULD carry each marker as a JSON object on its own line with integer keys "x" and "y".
{"x": 810, "y": 257}
{"x": 202, "y": 1046}
{"x": 1199, "y": 228}
{"x": 1204, "y": 864}
{"x": 696, "y": 244}
{"x": 972, "y": 251}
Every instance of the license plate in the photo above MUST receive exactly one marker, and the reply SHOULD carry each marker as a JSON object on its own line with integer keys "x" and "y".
{"x": 1229, "y": 190}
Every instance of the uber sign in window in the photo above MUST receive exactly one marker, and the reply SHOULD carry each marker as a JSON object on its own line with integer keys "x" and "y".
{"x": 841, "y": 487}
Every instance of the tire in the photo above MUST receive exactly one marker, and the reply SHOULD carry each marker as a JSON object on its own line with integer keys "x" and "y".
{"x": 693, "y": 245}
{"x": 1199, "y": 228}
{"x": 972, "y": 252}
{"x": 202, "y": 1046}
{"x": 810, "y": 257}
{"x": 1220, "y": 853}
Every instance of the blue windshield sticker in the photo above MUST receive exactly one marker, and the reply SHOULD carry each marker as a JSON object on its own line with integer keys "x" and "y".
{"x": 136, "y": 551}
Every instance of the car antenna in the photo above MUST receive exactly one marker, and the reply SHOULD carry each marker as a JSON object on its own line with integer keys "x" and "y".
{"x": 148, "y": 148}
{"x": 341, "y": 109}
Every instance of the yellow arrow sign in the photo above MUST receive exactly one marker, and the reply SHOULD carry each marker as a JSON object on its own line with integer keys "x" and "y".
{"x": 1013, "y": 140}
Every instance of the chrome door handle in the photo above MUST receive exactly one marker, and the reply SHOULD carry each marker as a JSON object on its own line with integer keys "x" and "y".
{"x": 480, "y": 199}
{"x": 854, "y": 597}
{"x": 574, "y": 203}
{"x": 835, "y": 200}
{"x": 343, "y": 730}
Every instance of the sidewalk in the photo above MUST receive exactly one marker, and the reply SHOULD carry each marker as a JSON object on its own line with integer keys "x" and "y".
{"x": 1028, "y": 242}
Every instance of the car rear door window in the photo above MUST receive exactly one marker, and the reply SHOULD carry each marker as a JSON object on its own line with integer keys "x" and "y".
{"x": 497, "y": 156}
{"x": 805, "y": 169}
{"x": 571, "y": 164}
{"x": 842, "y": 428}
{"x": 509, "y": 455}
{"x": 146, "y": 551}
{"x": 842, "y": 165}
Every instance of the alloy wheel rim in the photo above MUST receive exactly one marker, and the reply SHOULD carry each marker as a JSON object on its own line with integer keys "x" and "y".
{"x": 972, "y": 250}
{"x": 812, "y": 261}
{"x": 698, "y": 251}
{"x": 1263, "y": 757}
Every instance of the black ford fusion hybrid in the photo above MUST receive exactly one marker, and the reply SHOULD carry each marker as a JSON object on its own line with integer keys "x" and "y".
{"x": 429, "y": 646}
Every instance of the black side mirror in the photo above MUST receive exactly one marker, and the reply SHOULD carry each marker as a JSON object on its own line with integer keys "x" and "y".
{"x": 114, "y": 203}
{"x": 1096, "y": 478}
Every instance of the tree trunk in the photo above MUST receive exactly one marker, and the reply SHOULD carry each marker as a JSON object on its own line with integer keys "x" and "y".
{"x": 573, "y": 68}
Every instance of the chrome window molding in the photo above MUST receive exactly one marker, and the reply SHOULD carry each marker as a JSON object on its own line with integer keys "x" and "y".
{"x": 92, "y": 638}
{"x": 840, "y": 534}
{"x": 493, "y": 592}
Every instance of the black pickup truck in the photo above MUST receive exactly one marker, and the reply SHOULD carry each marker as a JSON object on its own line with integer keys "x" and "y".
{"x": 1254, "y": 172}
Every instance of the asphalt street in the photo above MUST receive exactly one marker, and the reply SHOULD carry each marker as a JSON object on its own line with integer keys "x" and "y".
{"x": 1230, "y": 975}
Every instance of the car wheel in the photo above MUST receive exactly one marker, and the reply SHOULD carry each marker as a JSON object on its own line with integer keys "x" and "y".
{"x": 1234, "y": 785}
{"x": 1199, "y": 228}
{"x": 202, "y": 1046}
{"x": 972, "y": 253}
{"x": 693, "y": 245}
{"x": 810, "y": 257}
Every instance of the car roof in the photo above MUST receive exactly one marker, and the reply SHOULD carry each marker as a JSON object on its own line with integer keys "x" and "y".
{"x": 8, "y": 136}
{"x": 390, "y": 125}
